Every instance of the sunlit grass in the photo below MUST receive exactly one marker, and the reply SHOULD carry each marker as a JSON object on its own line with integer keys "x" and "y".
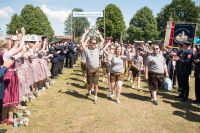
{"x": 64, "y": 108}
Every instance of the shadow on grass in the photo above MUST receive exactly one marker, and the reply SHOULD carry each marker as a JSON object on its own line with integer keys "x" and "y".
{"x": 102, "y": 95}
{"x": 77, "y": 74}
{"x": 79, "y": 86}
{"x": 103, "y": 88}
{"x": 76, "y": 94}
{"x": 185, "y": 106}
{"x": 77, "y": 70}
{"x": 76, "y": 79}
{"x": 135, "y": 96}
{"x": 188, "y": 115}
{"x": 126, "y": 86}
{"x": 187, "y": 110}
{"x": 3, "y": 130}
{"x": 77, "y": 66}
{"x": 167, "y": 95}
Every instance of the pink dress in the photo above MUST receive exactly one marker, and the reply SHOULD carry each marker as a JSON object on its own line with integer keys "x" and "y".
{"x": 47, "y": 70}
{"x": 28, "y": 72}
{"x": 24, "y": 88}
{"x": 11, "y": 84}
{"x": 44, "y": 67}
{"x": 36, "y": 69}
{"x": 41, "y": 66}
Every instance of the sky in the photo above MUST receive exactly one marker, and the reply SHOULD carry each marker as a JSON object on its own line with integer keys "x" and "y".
{"x": 58, "y": 10}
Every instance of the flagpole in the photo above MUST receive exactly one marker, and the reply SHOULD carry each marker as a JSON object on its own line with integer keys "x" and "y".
{"x": 104, "y": 14}
{"x": 71, "y": 26}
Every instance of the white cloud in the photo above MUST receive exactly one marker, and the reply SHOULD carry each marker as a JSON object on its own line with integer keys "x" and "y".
{"x": 57, "y": 18}
{"x": 5, "y": 12}
{"x": 58, "y": 15}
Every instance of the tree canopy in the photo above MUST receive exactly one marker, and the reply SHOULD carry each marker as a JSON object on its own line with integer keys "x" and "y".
{"x": 114, "y": 22}
{"x": 33, "y": 19}
{"x": 15, "y": 24}
{"x": 179, "y": 10}
{"x": 78, "y": 24}
{"x": 142, "y": 26}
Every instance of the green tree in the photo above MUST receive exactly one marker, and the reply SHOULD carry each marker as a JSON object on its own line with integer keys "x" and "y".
{"x": 179, "y": 10}
{"x": 45, "y": 25}
{"x": 36, "y": 22}
{"x": 143, "y": 26}
{"x": 114, "y": 22}
{"x": 78, "y": 24}
{"x": 15, "y": 24}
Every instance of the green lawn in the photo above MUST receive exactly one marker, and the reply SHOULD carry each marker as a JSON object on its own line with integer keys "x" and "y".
{"x": 65, "y": 109}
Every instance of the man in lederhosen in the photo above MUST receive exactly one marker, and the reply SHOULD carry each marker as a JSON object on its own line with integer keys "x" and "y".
{"x": 155, "y": 69}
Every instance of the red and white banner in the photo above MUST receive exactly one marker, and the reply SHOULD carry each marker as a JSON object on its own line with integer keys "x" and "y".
{"x": 169, "y": 35}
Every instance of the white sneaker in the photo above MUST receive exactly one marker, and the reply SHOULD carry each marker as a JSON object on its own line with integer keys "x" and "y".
{"x": 118, "y": 101}
{"x": 84, "y": 80}
{"x": 43, "y": 88}
{"x": 90, "y": 92}
{"x": 95, "y": 99}
{"x": 138, "y": 88}
{"x": 152, "y": 99}
{"x": 110, "y": 94}
{"x": 133, "y": 86}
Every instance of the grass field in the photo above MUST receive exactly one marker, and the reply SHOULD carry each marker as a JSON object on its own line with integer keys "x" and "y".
{"x": 65, "y": 109}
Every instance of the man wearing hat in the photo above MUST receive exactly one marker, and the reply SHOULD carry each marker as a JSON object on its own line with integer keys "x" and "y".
{"x": 197, "y": 74}
{"x": 62, "y": 57}
{"x": 185, "y": 69}
{"x": 54, "y": 60}
{"x": 178, "y": 67}
{"x": 67, "y": 54}
{"x": 71, "y": 54}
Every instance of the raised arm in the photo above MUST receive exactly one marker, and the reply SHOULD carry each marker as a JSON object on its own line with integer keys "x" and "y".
{"x": 106, "y": 46}
{"x": 43, "y": 47}
{"x": 83, "y": 44}
{"x": 100, "y": 36}
{"x": 17, "y": 41}
{"x": 21, "y": 38}
{"x": 19, "y": 54}
{"x": 37, "y": 46}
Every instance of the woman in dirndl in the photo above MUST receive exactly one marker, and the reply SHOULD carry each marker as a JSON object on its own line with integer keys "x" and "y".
{"x": 11, "y": 82}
